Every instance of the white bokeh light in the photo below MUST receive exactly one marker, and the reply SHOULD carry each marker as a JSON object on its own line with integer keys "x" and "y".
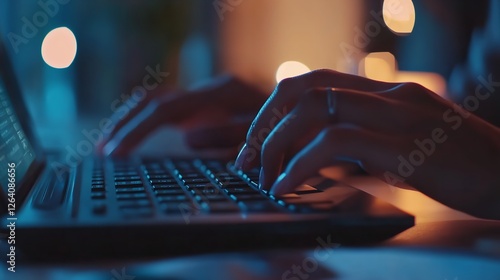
{"x": 290, "y": 69}
{"x": 59, "y": 48}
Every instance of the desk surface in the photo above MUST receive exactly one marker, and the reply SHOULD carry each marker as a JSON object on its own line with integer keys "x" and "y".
{"x": 444, "y": 244}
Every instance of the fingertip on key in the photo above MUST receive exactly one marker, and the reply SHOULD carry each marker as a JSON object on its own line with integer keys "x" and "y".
{"x": 244, "y": 158}
{"x": 278, "y": 186}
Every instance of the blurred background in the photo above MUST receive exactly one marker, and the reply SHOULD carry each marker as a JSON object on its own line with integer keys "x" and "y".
{"x": 73, "y": 77}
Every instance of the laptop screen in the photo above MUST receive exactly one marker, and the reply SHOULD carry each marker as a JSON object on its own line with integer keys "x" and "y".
{"x": 14, "y": 145}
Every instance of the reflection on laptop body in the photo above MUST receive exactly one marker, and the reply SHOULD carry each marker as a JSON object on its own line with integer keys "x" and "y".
{"x": 111, "y": 207}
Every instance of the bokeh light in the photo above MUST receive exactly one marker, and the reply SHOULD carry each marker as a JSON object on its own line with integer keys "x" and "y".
{"x": 399, "y": 16}
{"x": 379, "y": 66}
{"x": 59, "y": 48}
{"x": 290, "y": 69}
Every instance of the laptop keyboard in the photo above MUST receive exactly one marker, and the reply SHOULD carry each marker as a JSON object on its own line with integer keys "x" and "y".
{"x": 183, "y": 186}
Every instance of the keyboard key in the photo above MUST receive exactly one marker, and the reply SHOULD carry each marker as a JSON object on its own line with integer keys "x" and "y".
{"x": 124, "y": 167}
{"x": 248, "y": 197}
{"x": 126, "y": 196}
{"x": 130, "y": 190}
{"x": 163, "y": 181}
{"x": 196, "y": 181}
{"x": 127, "y": 178}
{"x": 128, "y": 183}
{"x": 222, "y": 174}
{"x": 206, "y": 190}
{"x": 164, "y": 192}
{"x": 160, "y": 176}
{"x": 173, "y": 198}
{"x": 200, "y": 186}
{"x": 168, "y": 186}
{"x": 156, "y": 172}
{"x": 241, "y": 190}
{"x": 211, "y": 198}
{"x": 187, "y": 170}
{"x": 233, "y": 184}
{"x": 192, "y": 175}
{"x": 220, "y": 207}
{"x": 98, "y": 188}
{"x": 127, "y": 173}
{"x": 232, "y": 179}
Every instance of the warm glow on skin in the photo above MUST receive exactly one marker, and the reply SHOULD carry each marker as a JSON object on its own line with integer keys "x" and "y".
{"x": 59, "y": 48}
{"x": 399, "y": 16}
{"x": 290, "y": 69}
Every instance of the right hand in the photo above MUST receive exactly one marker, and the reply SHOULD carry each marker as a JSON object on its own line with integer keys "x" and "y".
{"x": 214, "y": 116}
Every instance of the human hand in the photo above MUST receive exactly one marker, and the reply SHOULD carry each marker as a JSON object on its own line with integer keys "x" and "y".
{"x": 214, "y": 116}
{"x": 400, "y": 132}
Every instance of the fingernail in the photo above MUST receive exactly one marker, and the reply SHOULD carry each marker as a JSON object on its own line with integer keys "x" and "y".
{"x": 242, "y": 157}
{"x": 261, "y": 178}
{"x": 279, "y": 184}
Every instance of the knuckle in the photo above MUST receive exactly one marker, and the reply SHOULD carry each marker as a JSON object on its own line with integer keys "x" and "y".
{"x": 320, "y": 76}
{"x": 322, "y": 72}
{"x": 286, "y": 84}
{"x": 314, "y": 96}
{"x": 411, "y": 86}
{"x": 416, "y": 91}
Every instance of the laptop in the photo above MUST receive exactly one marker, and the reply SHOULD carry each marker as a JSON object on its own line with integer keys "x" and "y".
{"x": 115, "y": 207}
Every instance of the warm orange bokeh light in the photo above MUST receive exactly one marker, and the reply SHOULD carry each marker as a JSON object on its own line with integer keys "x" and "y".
{"x": 290, "y": 69}
{"x": 379, "y": 66}
{"x": 399, "y": 16}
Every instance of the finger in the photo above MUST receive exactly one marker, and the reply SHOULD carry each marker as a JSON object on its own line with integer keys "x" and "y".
{"x": 286, "y": 95}
{"x": 225, "y": 92}
{"x": 218, "y": 136}
{"x": 333, "y": 144}
{"x": 126, "y": 112}
{"x": 154, "y": 115}
{"x": 310, "y": 115}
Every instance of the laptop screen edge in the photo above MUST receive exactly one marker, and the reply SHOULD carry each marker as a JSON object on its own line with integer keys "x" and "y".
{"x": 13, "y": 90}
